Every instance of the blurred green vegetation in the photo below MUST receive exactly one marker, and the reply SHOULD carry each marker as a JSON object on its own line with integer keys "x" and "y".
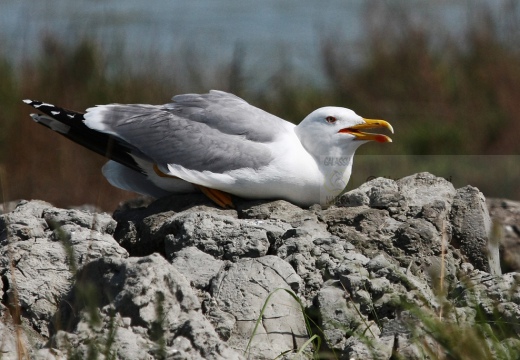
{"x": 454, "y": 103}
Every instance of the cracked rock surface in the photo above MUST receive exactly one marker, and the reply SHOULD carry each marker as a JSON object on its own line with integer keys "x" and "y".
{"x": 181, "y": 279}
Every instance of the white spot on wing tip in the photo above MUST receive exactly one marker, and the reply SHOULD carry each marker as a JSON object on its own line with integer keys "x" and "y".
{"x": 27, "y": 101}
{"x": 55, "y": 112}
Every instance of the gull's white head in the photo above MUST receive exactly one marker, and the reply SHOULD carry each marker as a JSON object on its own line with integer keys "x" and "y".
{"x": 337, "y": 131}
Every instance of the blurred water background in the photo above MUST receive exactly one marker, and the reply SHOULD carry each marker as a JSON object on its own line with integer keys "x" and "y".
{"x": 446, "y": 74}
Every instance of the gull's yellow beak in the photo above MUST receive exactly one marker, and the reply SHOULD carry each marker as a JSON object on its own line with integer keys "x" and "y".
{"x": 369, "y": 124}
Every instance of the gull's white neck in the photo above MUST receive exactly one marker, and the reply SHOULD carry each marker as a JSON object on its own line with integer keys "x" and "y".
{"x": 336, "y": 169}
{"x": 334, "y": 161}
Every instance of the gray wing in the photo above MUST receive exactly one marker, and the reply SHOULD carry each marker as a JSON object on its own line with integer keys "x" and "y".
{"x": 217, "y": 131}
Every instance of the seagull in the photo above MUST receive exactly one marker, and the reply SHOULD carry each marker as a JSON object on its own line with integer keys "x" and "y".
{"x": 219, "y": 144}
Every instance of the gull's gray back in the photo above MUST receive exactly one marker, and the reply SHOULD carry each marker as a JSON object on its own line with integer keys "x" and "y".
{"x": 217, "y": 132}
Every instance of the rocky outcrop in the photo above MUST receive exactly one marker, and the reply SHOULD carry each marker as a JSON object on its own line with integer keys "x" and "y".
{"x": 181, "y": 279}
{"x": 506, "y": 221}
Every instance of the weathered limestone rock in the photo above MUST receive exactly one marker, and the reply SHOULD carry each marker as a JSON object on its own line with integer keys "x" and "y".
{"x": 198, "y": 277}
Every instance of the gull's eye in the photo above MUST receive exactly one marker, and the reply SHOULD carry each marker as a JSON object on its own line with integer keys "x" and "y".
{"x": 330, "y": 119}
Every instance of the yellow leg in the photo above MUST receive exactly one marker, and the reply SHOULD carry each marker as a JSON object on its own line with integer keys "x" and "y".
{"x": 220, "y": 198}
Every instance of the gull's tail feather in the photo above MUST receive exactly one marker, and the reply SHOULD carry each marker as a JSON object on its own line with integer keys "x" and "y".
{"x": 71, "y": 125}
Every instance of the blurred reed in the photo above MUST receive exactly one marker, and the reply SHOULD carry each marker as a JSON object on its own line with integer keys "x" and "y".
{"x": 445, "y": 97}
